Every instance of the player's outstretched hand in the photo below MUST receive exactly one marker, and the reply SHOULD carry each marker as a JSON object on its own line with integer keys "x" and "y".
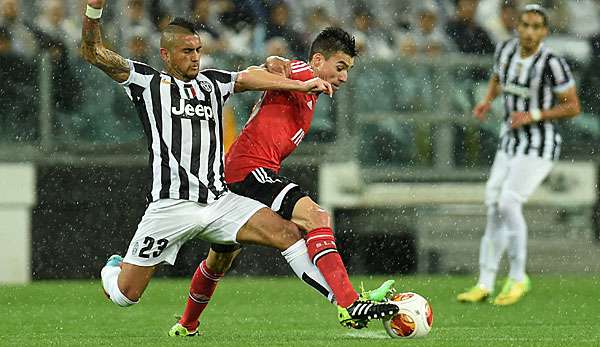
{"x": 279, "y": 66}
{"x": 98, "y": 4}
{"x": 317, "y": 85}
{"x": 481, "y": 109}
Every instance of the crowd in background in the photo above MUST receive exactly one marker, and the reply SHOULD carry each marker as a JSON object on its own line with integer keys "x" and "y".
{"x": 384, "y": 29}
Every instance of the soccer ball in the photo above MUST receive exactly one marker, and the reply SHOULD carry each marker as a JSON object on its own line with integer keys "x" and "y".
{"x": 414, "y": 318}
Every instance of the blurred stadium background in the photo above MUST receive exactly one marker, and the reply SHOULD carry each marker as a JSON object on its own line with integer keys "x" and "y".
{"x": 396, "y": 154}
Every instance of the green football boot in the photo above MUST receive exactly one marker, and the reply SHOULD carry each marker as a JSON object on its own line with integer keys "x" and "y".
{"x": 180, "y": 330}
{"x": 474, "y": 294}
{"x": 381, "y": 294}
{"x": 512, "y": 292}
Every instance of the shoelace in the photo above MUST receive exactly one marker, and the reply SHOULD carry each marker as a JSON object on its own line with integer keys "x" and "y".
{"x": 363, "y": 308}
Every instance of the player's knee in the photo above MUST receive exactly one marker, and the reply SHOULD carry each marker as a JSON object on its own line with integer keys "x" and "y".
{"x": 318, "y": 218}
{"x": 492, "y": 213}
{"x": 508, "y": 203}
{"x": 492, "y": 193}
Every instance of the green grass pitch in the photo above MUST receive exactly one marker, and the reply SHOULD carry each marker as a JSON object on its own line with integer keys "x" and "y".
{"x": 560, "y": 311}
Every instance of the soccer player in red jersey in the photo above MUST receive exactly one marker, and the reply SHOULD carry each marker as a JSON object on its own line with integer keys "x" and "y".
{"x": 277, "y": 125}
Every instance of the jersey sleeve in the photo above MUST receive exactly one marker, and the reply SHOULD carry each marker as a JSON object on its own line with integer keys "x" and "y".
{"x": 224, "y": 80}
{"x": 561, "y": 78}
{"x": 301, "y": 71}
{"x": 497, "y": 55}
{"x": 140, "y": 74}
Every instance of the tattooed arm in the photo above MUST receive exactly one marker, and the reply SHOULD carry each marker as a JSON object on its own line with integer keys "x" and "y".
{"x": 94, "y": 52}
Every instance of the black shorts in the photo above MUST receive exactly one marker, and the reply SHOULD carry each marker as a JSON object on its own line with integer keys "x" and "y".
{"x": 219, "y": 248}
{"x": 276, "y": 191}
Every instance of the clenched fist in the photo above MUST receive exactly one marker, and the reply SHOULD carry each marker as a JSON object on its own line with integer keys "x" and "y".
{"x": 317, "y": 85}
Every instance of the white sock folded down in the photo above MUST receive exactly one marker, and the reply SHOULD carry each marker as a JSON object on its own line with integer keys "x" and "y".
{"x": 109, "y": 275}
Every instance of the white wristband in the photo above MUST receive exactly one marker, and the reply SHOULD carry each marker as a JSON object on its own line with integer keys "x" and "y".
{"x": 536, "y": 115}
{"x": 93, "y": 13}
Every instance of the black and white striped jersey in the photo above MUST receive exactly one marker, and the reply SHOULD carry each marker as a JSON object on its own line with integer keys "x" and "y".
{"x": 527, "y": 84}
{"x": 183, "y": 122}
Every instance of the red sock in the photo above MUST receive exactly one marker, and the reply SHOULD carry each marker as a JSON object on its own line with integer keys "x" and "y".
{"x": 323, "y": 253}
{"x": 202, "y": 288}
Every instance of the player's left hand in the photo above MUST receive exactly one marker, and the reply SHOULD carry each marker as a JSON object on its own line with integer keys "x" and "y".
{"x": 317, "y": 85}
{"x": 518, "y": 119}
{"x": 278, "y": 65}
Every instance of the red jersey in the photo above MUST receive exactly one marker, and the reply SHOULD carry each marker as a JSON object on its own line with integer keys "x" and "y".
{"x": 278, "y": 123}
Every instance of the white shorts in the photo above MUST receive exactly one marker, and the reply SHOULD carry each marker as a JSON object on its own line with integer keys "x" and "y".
{"x": 167, "y": 224}
{"x": 518, "y": 176}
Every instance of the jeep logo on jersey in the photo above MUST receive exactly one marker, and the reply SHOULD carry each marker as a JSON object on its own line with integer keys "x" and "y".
{"x": 189, "y": 110}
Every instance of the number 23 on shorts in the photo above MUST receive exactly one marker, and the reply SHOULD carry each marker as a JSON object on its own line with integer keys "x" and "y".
{"x": 148, "y": 245}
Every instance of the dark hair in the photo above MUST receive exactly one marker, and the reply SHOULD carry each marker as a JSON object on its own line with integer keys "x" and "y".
{"x": 537, "y": 9}
{"x": 332, "y": 40}
{"x": 184, "y": 23}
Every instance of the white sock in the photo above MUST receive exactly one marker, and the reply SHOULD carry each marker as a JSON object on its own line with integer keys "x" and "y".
{"x": 297, "y": 256}
{"x": 493, "y": 245}
{"x": 487, "y": 260}
{"x": 517, "y": 241}
{"x": 110, "y": 275}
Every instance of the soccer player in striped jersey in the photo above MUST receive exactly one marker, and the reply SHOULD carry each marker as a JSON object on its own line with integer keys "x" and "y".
{"x": 181, "y": 111}
{"x": 276, "y": 127}
{"x": 537, "y": 89}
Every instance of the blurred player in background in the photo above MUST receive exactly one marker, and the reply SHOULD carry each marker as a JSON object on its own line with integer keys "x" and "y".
{"x": 537, "y": 89}
{"x": 277, "y": 125}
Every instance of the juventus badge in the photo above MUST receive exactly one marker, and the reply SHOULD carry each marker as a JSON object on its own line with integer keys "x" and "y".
{"x": 206, "y": 86}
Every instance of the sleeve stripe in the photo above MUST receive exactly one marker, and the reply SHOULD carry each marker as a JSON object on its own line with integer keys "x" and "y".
{"x": 561, "y": 78}
{"x": 499, "y": 49}
{"x": 557, "y": 71}
{"x": 564, "y": 86}
{"x": 217, "y": 70}
{"x": 139, "y": 74}
{"x": 219, "y": 75}
{"x": 298, "y": 63}
{"x": 142, "y": 68}
{"x": 301, "y": 69}
{"x": 566, "y": 69}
